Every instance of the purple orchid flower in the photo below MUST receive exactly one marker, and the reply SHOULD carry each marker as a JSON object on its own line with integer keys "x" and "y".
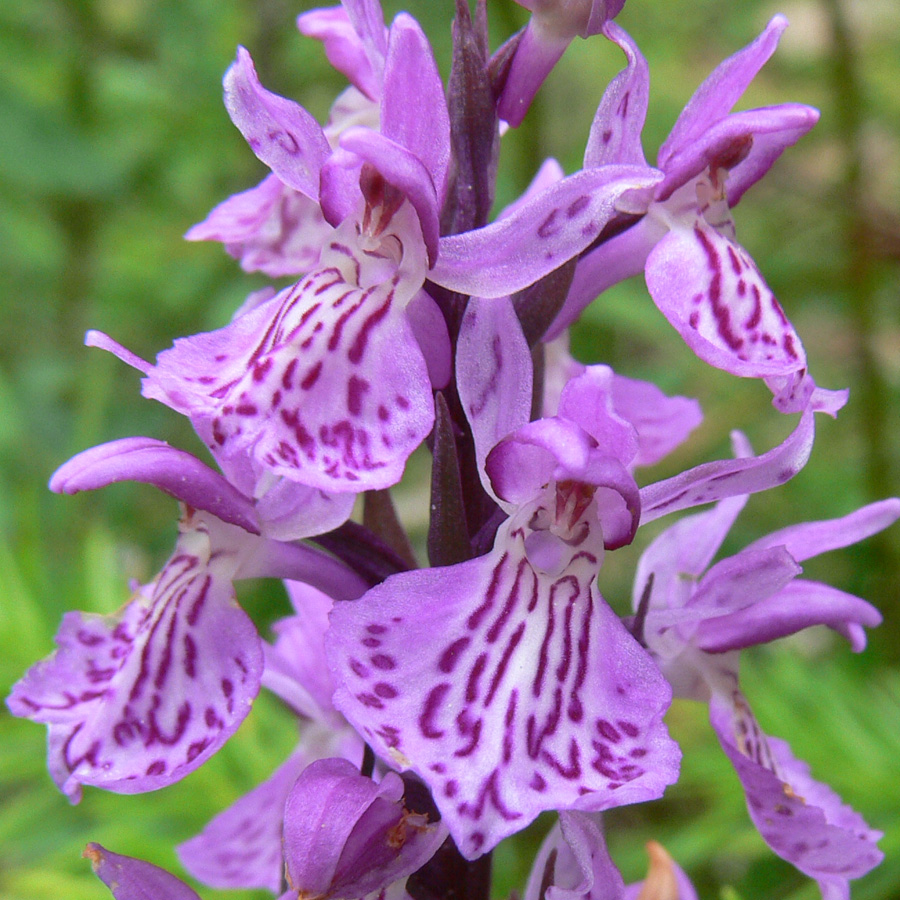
{"x": 526, "y": 692}
{"x": 553, "y": 25}
{"x": 138, "y": 700}
{"x": 694, "y": 620}
{"x": 574, "y": 864}
{"x": 326, "y": 383}
{"x": 701, "y": 279}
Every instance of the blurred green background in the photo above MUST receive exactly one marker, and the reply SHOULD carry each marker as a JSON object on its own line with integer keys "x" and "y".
{"x": 113, "y": 141}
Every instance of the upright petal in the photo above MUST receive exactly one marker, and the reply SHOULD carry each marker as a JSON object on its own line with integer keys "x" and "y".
{"x": 346, "y": 836}
{"x": 354, "y": 41}
{"x": 574, "y": 864}
{"x": 280, "y": 132}
{"x": 495, "y": 392}
{"x": 615, "y": 135}
{"x": 413, "y": 109}
{"x": 721, "y": 90}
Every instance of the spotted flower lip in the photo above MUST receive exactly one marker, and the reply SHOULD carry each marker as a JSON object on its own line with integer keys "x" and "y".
{"x": 526, "y": 693}
{"x": 702, "y": 280}
{"x": 136, "y": 701}
{"x": 801, "y": 819}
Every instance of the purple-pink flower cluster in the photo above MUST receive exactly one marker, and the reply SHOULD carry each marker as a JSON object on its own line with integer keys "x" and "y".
{"x": 442, "y": 708}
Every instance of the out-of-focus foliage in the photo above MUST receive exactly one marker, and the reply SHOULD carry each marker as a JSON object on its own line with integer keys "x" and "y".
{"x": 114, "y": 141}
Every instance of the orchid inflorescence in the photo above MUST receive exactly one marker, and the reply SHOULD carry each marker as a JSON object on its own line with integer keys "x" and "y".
{"x": 441, "y": 709}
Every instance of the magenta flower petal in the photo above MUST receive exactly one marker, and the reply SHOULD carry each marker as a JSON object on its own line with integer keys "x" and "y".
{"x": 413, "y": 109}
{"x": 615, "y": 135}
{"x": 405, "y": 171}
{"x": 536, "y": 55}
{"x": 346, "y": 836}
{"x": 280, "y": 132}
{"x": 798, "y": 605}
{"x": 574, "y": 864}
{"x": 525, "y": 692}
{"x": 710, "y": 290}
{"x": 745, "y": 144}
{"x": 812, "y": 538}
{"x": 721, "y": 90}
{"x": 430, "y": 328}
{"x": 295, "y": 665}
{"x": 137, "y": 701}
{"x": 551, "y": 28}
{"x": 495, "y": 387}
{"x": 540, "y": 235}
{"x": 133, "y": 879}
{"x": 802, "y": 820}
{"x": 728, "y": 478}
{"x": 662, "y": 423}
{"x": 354, "y": 41}
{"x": 172, "y": 471}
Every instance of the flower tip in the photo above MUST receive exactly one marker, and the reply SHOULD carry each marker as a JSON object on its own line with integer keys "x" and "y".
{"x": 777, "y": 24}
{"x": 93, "y": 852}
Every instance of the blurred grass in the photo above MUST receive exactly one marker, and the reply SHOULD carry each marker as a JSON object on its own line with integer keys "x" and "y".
{"x": 115, "y": 142}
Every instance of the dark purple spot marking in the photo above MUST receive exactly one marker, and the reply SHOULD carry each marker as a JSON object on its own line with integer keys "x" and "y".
{"x": 577, "y": 206}
{"x": 432, "y": 704}
{"x": 356, "y": 388}
{"x": 385, "y": 690}
{"x": 608, "y": 731}
{"x": 629, "y": 728}
{"x": 383, "y": 661}
{"x": 312, "y": 376}
{"x": 451, "y": 656}
{"x": 359, "y": 669}
{"x": 548, "y": 227}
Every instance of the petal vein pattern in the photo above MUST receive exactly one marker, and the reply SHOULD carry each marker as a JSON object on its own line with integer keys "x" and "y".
{"x": 136, "y": 702}
{"x": 324, "y": 384}
{"x": 525, "y": 691}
